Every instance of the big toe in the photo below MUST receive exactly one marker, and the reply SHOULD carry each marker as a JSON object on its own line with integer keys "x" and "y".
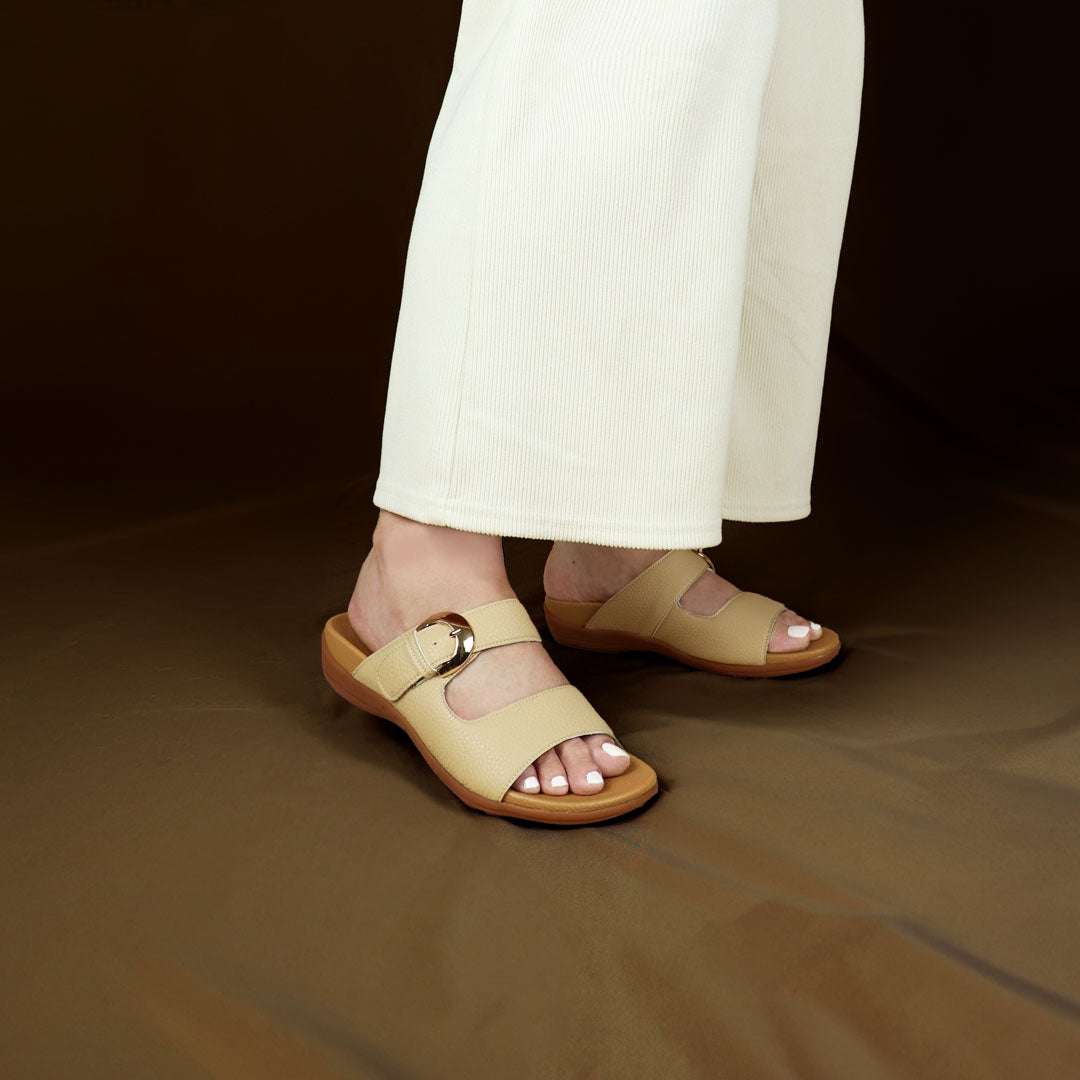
{"x": 793, "y": 633}
{"x": 608, "y": 756}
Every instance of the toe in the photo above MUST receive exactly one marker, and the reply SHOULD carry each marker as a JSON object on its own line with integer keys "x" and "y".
{"x": 792, "y": 633}
{"x": 528, "y": 782}
{"x": 610, "y": 758}
{"x": 581, "y": 771}
{"x": 552, "y": 774}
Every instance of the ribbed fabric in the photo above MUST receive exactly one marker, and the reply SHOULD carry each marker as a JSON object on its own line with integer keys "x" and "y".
{"x": 806, "y": 151}
{"x": 577, "y": 319}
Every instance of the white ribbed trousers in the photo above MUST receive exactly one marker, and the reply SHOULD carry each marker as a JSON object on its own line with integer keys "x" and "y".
{"x": 620, "y": 274}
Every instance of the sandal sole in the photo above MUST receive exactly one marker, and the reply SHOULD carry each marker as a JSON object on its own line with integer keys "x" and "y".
{"x": 826, "y": 648}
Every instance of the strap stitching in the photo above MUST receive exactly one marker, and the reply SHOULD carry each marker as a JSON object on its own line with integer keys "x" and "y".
{"x": 676, "y": 601}
{"x": 623, "y": 588}
{"x": 493, "y": 603}
{"x": 510, "y": 705}
{"x": 742, "y": 592}
{"x": 772, "y": 623}
{"x": 508, "y": 640}
{"x": 528, "y": 761}
{"x": 426, "y": 671}
{"x": 638, "y": 577}
{"x": 453, "y": 716}
{"x": 540, "y": 693}
{"x": 392, "y": 691}
{"x": 425, "y": 662}
{"x": 772, "y": 627}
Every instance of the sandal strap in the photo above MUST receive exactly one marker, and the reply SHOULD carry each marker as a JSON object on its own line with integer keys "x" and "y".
{"x": 442, "y": 644}
{"x": 739, "y": 633}
{"x": 641, "y": 605}
{"x": 488, "y": 754}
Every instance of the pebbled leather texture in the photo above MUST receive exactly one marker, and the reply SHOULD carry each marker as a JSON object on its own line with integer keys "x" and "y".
{"x": 488, "y": 754}
{"x": 641, "y": 604}
{"x": 648, "y": 605}
{"x": 738, "y": 633}
{"x": 413, "y": 657}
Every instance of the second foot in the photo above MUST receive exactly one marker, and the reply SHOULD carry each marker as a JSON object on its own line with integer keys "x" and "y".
{"x": 593, "y": 573}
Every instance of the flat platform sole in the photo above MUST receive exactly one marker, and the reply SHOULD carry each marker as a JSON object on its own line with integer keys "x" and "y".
{"x": 614, "y": 641}
{"x": 609, "y": 803}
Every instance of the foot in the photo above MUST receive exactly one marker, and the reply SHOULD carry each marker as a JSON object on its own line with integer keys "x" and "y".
{"x": 415, "y": 570}
{"x": 589, "y": 572}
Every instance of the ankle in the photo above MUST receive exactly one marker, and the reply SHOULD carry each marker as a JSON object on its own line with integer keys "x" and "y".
{"x": 592, "y": 572}
{"x": 403, "y": 548}
{"x": 414, "y": 569}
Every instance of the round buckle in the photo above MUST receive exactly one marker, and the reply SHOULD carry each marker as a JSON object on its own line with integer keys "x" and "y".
{"x": 463, "y": 636}
{"x": 701, "y": 552}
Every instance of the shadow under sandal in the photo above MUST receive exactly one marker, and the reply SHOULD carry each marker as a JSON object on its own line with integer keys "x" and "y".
{"x": 645, "y": 614}
{"x": 478, "y": 760}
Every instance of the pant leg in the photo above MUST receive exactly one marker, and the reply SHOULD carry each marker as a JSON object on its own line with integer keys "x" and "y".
{"x": 809, "y": 126}
{"x": 569, "y": 328}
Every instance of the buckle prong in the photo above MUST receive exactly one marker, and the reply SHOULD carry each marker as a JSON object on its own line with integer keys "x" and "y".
{"x": 462, "y": 633}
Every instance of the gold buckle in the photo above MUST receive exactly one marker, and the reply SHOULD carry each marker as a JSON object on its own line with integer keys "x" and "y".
{"x": 701, "y": 552}
{"x": 462, "y": 633}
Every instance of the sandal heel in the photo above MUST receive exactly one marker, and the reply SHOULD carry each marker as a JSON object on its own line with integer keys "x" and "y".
{"x": 577, "y": 637}
{"x": 355, "y": 693}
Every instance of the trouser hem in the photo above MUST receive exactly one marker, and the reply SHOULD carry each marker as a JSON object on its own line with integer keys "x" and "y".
{"x": 775, "y": 512}
{"x": 502, "y": 521}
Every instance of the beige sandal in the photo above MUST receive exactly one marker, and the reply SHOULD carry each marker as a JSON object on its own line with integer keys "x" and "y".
{"x": 478, "y": 760}
{"x": 645, "y": 614}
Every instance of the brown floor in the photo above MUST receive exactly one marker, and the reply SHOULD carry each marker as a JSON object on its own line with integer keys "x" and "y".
{"x": 214, "y": 868}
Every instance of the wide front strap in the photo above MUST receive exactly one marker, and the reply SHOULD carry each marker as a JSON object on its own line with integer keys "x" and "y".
{"x": 640, "y": 605}
{"x": 738, "y": 633}
{"x": 421, "y": 653}
{"x": 489, "y": 754}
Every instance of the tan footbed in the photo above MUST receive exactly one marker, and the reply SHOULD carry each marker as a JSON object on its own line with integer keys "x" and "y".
{"x": 343, "y": 653}
{"x": 645, "y": 615}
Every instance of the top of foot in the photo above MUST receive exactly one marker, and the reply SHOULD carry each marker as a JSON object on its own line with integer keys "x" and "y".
{"x": 590, "y": 572}
{"x": 394, "y": 593}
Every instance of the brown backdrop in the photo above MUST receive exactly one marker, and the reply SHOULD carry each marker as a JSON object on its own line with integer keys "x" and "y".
{"x": 214, "y": 869}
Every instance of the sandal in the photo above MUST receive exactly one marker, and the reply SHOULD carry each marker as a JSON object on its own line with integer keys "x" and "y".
{"x": 645, "y": 614}
{"x": 478, "y": 760}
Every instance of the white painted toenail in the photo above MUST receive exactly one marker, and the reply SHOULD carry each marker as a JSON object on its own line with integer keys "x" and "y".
{"x": 531, "y": 784}
{"x": 558, "y": 781}
{"x": 593, "y": 778}
{"x": 815, "y": 625}
{"x": 798, "y": 631}
{"x": 612, "y": 750}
